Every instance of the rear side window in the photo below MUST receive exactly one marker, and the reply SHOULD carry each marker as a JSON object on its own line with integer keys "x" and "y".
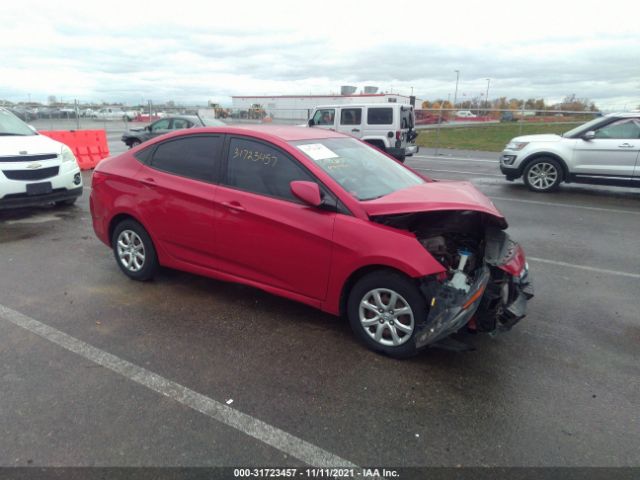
{"x": 380, "y": 116}
{"x": 192, "y": 157}
{"x": 259, "y": 168}
{"x": 351, "y": 116}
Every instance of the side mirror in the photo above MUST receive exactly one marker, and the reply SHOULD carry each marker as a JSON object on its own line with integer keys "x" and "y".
{"x": 308, "y": 192}
{"x": 590, "y": 135}
{"x": 311, "y": 122}
{"x": 148, "y": 128}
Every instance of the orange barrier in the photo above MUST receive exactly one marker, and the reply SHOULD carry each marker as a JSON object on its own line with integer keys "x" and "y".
{"x": 89, "y": 146}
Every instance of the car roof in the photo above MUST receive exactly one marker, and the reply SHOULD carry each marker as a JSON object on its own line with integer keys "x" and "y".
{"x": 283, "y": 132}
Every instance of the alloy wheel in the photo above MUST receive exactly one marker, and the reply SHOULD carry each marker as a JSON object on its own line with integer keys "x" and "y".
{"x": 131, "y": 252}
{"x": 386, "y": 317}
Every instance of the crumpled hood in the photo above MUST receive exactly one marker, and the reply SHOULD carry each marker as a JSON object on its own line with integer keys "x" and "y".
{"x": 545, "y": 137}
{"x": 31, "y": 144}
{"x": 431, "y": 197}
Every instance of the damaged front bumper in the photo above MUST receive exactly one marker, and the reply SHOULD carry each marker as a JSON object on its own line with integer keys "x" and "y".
{"x": 496, "y": 300}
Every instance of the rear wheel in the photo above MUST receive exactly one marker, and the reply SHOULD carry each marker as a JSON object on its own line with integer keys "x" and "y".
{"x": 543, "y": 175}
{"x": 134, "y": 251}
{"x": 384, "y": 308}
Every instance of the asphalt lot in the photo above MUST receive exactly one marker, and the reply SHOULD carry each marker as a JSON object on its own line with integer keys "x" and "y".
{"x": 560, "y": 389}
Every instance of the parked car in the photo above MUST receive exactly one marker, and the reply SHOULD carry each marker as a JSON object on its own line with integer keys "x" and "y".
{"x": 114, "y": 113}
{"x": 389, "y": 127}
{"x": 465, "y": 114}
{"x": 318, "y": 217}
{"x": 604, "y": 150}
{"x": 508, "y": 117}
{"x": 136, "y": 136}
{"x": 34, "y": 169}
{"x": 24, "y": 114}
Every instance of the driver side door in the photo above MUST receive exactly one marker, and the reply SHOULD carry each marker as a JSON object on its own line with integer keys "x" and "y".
{"x": 613, "y": 151}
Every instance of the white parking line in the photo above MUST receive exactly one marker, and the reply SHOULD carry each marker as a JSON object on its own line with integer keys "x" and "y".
{"x": 455, "y": 159}
{"x": 564, "y": 205}
{"x": 584, "y": 267}
{"x": 268, "y": 434}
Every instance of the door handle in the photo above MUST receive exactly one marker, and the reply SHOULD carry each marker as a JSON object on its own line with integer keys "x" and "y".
{"x": 625, "y": 145}
{"x": 233, "y": 206}
{"x": 149, "y": 181}
{"x": 355, "y": 129}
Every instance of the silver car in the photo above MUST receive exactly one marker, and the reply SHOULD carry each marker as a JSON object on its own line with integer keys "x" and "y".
{"x": 603, "y": 151}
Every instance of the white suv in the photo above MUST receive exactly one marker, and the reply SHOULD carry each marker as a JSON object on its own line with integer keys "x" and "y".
{"x": 603, "y": 151}
{"x": 390, "y": 127}
{"x": 34, "y": 169}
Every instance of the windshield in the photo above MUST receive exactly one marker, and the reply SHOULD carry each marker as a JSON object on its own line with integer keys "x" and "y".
{"x": 12, "y": 125}
{"x": 590, "y": 125}
{"x": 361, "y": 170}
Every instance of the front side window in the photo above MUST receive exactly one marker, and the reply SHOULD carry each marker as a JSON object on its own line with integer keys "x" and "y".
{"x": 324, "y": 116}
{"x": 380, "y": 116}
{"x": 160, "y": 125}
{"x": 194, "y": 156}
{"x": 351, "y": 116}
{"x": 359, "y": 169}
{"x": 259, "y": 168}
{"x": 627, "y": 129}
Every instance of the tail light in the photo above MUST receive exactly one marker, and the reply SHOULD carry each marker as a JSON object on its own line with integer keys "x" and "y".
{"x": 398, "y": 134}
{"x": 98, "y": 179}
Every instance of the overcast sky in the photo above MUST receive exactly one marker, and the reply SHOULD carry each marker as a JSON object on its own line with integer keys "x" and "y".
{"x": 191, "y": 52}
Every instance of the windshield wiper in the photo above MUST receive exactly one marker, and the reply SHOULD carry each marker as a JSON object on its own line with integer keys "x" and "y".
{"x": 6, "y": 134}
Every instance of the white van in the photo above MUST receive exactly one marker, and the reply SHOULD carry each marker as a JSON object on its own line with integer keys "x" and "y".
{"x": 390, "y": 127}
{"x": 34, "y": 169}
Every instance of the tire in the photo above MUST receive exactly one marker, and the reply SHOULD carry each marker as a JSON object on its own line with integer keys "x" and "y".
{"x": 543, "y": 175}
{"x": 375, "y": 328}
{"x": 66, "y": 203}
{"x": 134, "y": 143}
{"x": 134, "y": 251}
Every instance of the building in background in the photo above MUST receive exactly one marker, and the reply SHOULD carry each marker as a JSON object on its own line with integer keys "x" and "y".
{"x": 298, "y": 107}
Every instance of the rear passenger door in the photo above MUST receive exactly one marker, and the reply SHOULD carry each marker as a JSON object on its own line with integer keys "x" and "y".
{"x": 179, "y": 191}
{"x": 351, "y": 121}
{"x": 264, "y": 233}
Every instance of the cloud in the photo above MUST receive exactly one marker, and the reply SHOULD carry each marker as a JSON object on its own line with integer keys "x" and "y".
{"x": 205, "y": 51}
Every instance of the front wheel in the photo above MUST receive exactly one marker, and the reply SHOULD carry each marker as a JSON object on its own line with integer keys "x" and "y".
{"x": 543, "y": 175}
{"x": 134, "y": 250}
{"x": 134, "y": 143}
{"x": 384, "y": 308}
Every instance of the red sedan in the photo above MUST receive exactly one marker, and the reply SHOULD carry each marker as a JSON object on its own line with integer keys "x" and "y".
{"x": 317, "y": 217}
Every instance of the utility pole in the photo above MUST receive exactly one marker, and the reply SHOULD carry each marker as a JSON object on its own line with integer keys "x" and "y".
{"x": 486, "y": 97}
{"x": 455, "y": 95}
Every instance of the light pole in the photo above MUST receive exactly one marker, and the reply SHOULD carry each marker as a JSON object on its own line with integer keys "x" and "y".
{"x": 486, "y": 97}
{"x": 455, "y": 95}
